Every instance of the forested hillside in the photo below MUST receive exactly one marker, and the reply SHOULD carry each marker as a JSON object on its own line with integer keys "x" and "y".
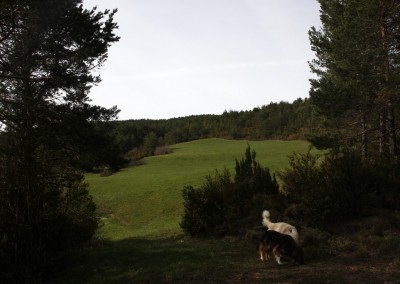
{"x": 287, "y": 121}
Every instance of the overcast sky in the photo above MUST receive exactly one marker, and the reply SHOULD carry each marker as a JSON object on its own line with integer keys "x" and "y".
{"x": 186, "y": 57}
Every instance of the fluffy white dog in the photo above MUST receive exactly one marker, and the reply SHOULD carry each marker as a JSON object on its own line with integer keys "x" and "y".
{"x": 280, "y": 227}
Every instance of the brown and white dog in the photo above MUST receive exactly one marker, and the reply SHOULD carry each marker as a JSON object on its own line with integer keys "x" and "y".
{"x": 280, "y": 245}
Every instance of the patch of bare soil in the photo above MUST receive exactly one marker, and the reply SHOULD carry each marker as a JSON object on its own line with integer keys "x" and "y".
{"x": 338, "y": 269}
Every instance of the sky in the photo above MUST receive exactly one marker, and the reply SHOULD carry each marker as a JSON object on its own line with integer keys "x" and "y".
{"x": 178, "y": 58}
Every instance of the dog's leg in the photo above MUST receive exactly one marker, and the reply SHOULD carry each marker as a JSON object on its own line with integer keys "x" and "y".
{"x": 268, "y": 252}
{"x": 278, "y": 259}
{"x": 277, "y": 254}
{"x": 262, "y": 253}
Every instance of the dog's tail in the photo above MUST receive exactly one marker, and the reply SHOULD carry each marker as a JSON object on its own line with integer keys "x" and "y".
{"x": 266, "y": 214}
{"x": 266, "y": 219}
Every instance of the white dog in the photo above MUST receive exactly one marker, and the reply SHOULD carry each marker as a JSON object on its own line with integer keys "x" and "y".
{"x": 280, "y": 227}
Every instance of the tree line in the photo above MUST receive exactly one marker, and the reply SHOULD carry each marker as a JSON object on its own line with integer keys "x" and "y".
{"x": 283, "y": 120}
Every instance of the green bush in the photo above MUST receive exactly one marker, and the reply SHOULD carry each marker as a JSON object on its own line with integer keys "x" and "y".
{"x": 204, "y": 207}
{"x": 224, "y": 206}
{"x": 53, "y": 214}
{"x": 106, "y": 171}
{"x": 76, "y": 221}
{"x": 301, "y": 177}
{"x": 342, "y": 187}
{"x": 162, "y": 150}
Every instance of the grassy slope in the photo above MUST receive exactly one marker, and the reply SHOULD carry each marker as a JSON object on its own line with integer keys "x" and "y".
{"x": 145, "y": 201}
{"x": 141, "y": 209}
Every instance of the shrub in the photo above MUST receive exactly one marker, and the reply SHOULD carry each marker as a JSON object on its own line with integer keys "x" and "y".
{"x": 162, "y": 150}
{"x": 224, "y": 206}
{"x": 76, "y": 221}
{"x": 389, "y": 182}
{"x": 203, "y": 207}
{"x": 135, "y": 154}
{"x": 54, "y": 214}
{"x": 107, "y": 171}
{"x": 150, "y": 143}
{"x": 316, "y": 243}
{"x": 342, "y": 187}
{"x": 301, "y": 176}
{"x": 252, "y": 178}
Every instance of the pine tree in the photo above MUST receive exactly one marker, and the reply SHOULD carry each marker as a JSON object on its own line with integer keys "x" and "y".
{"x": 50, "y": 52}
{"x": 358, "y": 71}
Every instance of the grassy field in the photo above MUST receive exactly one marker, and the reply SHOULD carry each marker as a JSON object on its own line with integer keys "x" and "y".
{"x": 141, "y": 241}
{"x": 146, "y": 201}
{"x": 141, "y": 208}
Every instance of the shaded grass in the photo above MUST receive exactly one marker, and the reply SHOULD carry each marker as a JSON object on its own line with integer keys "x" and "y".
{"x": 179, "y": 260}
{"x": 137, "y": 260}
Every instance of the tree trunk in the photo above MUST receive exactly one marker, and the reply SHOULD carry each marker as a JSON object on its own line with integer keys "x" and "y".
{"x": 391, "y": 125}
{"x": 364, "y": 139}
{"x": 383, "y": 142}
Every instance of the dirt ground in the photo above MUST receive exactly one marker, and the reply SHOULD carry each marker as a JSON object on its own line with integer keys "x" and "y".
{"x": 338, "y": 269}
{"x": 360, "y": 257}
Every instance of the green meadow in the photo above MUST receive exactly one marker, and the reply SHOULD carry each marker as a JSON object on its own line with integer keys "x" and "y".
{"x": 140, "y": 240}
{"x": 145, "y": 201}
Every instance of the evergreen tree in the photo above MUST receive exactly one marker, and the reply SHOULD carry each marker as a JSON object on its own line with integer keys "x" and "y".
{"x": 358, "y": 71}
{"x": 49, "y": 54}
{"x": 222, "y": 206}
{"x": 150, "y": 143}
{"x": 252, "y": 178}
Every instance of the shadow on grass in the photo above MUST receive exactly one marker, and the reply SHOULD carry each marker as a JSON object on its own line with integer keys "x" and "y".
{"x": 149, "y": 261}
{"x": 205, "y": 261}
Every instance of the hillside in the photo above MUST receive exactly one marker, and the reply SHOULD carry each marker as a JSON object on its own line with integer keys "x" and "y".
{"x": 146, "y": 200}
{"x": 141, "y": 241}
{"x": 283, "y": 120}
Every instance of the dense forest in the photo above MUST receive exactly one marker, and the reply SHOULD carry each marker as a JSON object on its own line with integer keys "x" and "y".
{"x": 300, "y": 119}
{"x": 288, "y": 121}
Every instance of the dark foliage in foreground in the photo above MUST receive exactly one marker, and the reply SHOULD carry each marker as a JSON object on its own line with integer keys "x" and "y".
{"x": 339, "y": 188}
{"x": 50, "y": 53}
{"x": 315, "y": 191}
